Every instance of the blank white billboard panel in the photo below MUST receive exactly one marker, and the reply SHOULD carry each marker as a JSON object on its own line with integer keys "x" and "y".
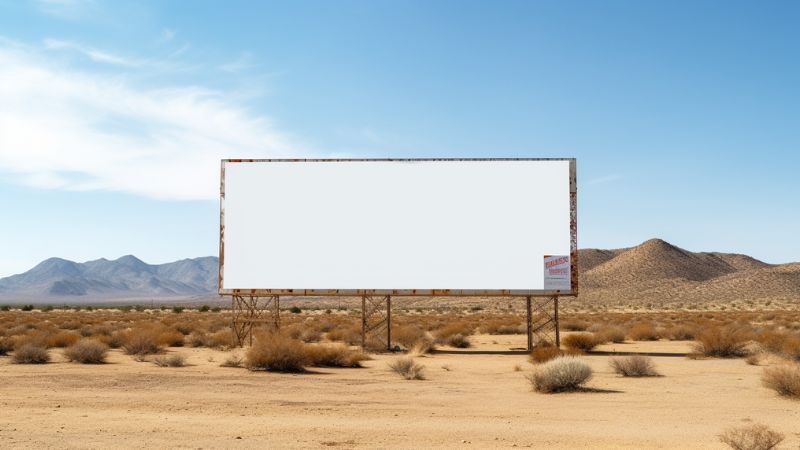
{"x": 413, "y": 227}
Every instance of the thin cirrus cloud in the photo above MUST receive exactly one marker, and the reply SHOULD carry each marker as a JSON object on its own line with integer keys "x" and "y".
{"x": 67, "y": 128}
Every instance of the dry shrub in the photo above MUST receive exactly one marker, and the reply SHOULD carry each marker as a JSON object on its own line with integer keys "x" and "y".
{"x": 643, "y": 332}
{"x": 408, "y": 336}
{"x": 184, "y": 328}
{"x": 681, "y": 333}
{"x": 785, "y": 380}
{"x": 565, "y": 373}
{"x": 454, "y": 334}
{"x": 234, "y": 360}
{"x": 751, "y": 437}
{"x": 349, "y": 335}
{"x": 114, "y": 340}
{"x": 612, "y": 334}
{"x": 791, "y": 348}
{"x": 503, "y": 326}
{"x": 423, "y": 346}
{"x": 276, "y": 352}
{"x": 87, "y": 351}
{"x": 408, "y": 369}
{"x": 580, "y": 341}
{"x": 221, "y": 339}
{"x": 634, "y": 366}
{"x": 544, "y": 353}
{"x": 337, "y": 355}
{"x": 63, "y": 339}
{"x": 173, "y": 360}
{"x": 171, "y": 338}
{"x": 70, "y": 325}
{"x": 753, "y": 359}
{"x": 198, "y": 339}
{"x": 722, "y": 342}
{"x": 141, "y": 342}
{"x": 6, "y": 345}
{"x": 574, "y": 325}
{"x": 31, "y": 354}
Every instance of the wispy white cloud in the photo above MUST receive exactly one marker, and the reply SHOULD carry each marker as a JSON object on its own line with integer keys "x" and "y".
{"x": 92, "y": 53}
{"x": 604, "y": 179}
{"x": 65, "y": 128}
{"x": 64, "y": 9}
{"x": 242, "y": 62}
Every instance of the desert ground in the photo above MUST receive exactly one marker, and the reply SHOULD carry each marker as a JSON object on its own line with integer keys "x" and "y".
{"x": 475, "y": 397}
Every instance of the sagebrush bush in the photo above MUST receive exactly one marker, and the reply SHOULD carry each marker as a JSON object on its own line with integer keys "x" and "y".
{"x": 722, "y": 342}
{"x": 87, "y": 351}
{"x": 141, "y": 342}
{"x": 751, "y": 437}
{"x": 611, "y": 334}
{"x": 408, "y": 368}
{"x": 784, "y": 379}
{"x": 634, "y": 366}
{"x": 276, "y": 352}
{"x": 336, "y": 355}
{"x": 173, "y": 360}
{"x": 544, "y": 353}
{"x": 234, "y": 360}
{"x": 62, "y": 339}
{"x": 6, "y": 345}
{"x": 565, "y": 373}
{"x": 31, "y": 354}
{"x": 643, "y": 332}
{"x": 580, "y": 341}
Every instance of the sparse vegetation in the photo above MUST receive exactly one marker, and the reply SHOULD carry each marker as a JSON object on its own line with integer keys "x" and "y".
{"x": 234, "y": 360}
{"x": 643, "y": 332}
{"x": 336, "y": 355}
{"x": 784, "y": 379}
{"x": 173, "y": 360}
{"x": 751, "y": 437}
{"x": 141, "y": 342}
{"x": 31, "y": 354}
{"x": 87, "y": 351}
{"x": 722, "y": 342}
{"x": 544, "y": 353}
{"x": 276, "y": 352}
{"x": 177, "y": 309}
{"x": 580, "y": 341}
{"x": 634, "y": 366}
{"x": 408, "y": 368}
{"x": 565, "y": 373}
{"x": 6, "y": 345}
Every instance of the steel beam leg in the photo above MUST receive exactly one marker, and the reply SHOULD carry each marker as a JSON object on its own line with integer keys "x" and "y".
{"x": 376, "y": 322}
{"x": 542, "y": 322}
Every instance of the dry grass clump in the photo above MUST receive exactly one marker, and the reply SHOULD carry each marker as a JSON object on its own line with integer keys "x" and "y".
{"x": 611, "y": 334}
{"x": 408, "y": 336}
{"x": 276, "y": 352}
{"x": 173, "y": 360}
{"x": 407, "y": 368}
{"x": 6, "y": 345}
{"x": 580, "y": 341}
{"x": 337, "y": 355}
{"x": 31, "y": 354}
{"x": 751, "y": 437}
{"x": 544, "y": 353}
{"x": 785, "y": 380}
{"x": 643, "y": 332}
{"x": 87, "y": 351}
{"x": 234, "y": 360}
{"x": 454, "y": 334}
{"x": 349, "y": 335}
{"x": 62, "y": 339}
{"x": 574, "y": 325}
{"x": 681, "y": 333}
{"x": 141, "y": 342}
{"x": 722, "y": 342}
{"x": 171, "y": 338}
{"x": 634, "y": 366}
{"x": 565, "y": 373}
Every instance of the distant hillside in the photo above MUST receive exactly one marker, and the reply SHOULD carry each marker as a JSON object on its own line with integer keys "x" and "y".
{"x": 658, "y": 273}
{"x": 654, "y": 273}
{"x": 59, "y": 279}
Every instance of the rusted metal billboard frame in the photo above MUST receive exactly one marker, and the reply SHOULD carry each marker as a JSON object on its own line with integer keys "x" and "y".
{"x": 264, "y": 292}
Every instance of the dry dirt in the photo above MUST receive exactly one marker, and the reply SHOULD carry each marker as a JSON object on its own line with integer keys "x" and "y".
{"x": 467, "y": 401}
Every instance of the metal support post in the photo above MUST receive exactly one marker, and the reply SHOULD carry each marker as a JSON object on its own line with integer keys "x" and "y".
{"x": 376, "y": 322}
{"x": 251, "y": 310}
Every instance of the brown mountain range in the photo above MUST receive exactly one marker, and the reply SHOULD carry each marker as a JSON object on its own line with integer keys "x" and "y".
{"x": 660, "y": 274}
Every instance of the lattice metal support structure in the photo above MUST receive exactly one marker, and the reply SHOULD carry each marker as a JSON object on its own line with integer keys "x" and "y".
{"x": 376, "y": 321}
{"x": 542, "y": 321}
{"x": 249, "y": 311}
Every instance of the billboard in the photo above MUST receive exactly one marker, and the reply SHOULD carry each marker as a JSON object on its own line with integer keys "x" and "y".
{"x": 484, "y": 227}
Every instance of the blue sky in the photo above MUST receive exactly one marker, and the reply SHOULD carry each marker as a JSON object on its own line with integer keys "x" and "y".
{"x": 684, "y": 116}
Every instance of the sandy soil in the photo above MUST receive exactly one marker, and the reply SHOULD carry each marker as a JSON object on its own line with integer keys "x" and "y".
{"x": 467, "y": 401}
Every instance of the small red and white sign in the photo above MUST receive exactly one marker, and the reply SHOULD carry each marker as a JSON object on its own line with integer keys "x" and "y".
{"x": 557, "y": 276}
